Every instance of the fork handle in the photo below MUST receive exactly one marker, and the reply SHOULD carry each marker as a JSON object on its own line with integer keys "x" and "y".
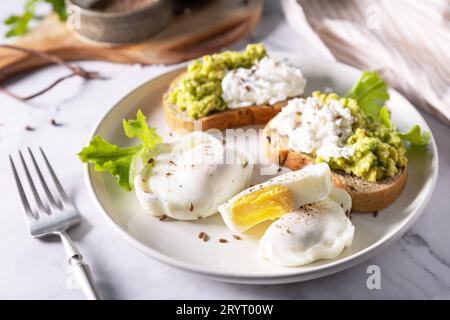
{"x": 81, "y": 270}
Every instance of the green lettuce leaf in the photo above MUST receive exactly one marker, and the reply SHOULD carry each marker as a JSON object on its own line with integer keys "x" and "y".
{"x": 384, "y": 117}
{"x": 139, "y": 129}
{"x": 370, "y": 92}
{"x": 415, "y": 137}
{"x": 121, "y": 162}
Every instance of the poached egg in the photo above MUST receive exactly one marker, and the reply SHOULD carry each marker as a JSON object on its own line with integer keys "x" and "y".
{"x": 276, "y": 197}
{"x": 320, "y": 230}
{"x": 189, "y": 178}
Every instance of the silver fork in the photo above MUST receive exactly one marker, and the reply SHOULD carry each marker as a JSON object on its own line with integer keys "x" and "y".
{"x": 53, "y": 217}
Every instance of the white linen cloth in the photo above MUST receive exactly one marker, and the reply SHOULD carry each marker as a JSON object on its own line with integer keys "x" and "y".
{"x": 407, "y": 41}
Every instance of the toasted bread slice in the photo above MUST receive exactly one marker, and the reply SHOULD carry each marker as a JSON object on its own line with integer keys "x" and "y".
{"x": 227, "y": 119}
{"x": 366, "y": 196}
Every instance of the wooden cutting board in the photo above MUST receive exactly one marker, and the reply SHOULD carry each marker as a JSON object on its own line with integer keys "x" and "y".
{"x": 202, "y": 31}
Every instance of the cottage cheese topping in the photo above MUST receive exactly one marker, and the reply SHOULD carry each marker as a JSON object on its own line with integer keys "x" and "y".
{"x": 316, "y": 129}
{"x": 267, "y": 82}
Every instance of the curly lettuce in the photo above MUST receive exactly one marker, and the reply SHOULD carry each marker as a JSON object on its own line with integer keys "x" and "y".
{"x": 121, "y": 162}
{"x": 371, "y": 94}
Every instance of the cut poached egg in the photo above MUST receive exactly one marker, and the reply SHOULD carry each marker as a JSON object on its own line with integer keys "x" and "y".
{"x": 320, "y": 230}
{"x": 276, "y": 197}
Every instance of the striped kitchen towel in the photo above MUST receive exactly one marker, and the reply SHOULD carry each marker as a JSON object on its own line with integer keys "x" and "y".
{"x": 407, "y": 41}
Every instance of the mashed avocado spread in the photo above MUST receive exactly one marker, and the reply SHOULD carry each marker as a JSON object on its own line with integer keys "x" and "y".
{"x": 199, "y": 92}
{"x": 379, "y": 150}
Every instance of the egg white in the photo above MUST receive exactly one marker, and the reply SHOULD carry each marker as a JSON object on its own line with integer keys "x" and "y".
{"x": 320, "y": 230}
{"x": 311, "y": 184}
{"x": 189, "y": 179}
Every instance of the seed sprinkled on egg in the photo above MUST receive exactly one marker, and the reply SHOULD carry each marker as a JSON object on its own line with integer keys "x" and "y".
{"x": 163, "y": 218}
{"x": 191, "y": 206}
{"x": 223, "y": 240}
{"x": 237, "y": 237}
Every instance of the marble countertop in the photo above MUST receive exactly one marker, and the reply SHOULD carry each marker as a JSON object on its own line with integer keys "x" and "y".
{"x": 417, "y": 266}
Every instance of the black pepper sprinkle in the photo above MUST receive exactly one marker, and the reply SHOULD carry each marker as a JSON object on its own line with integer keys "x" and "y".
{"x": 55, "y": 123}
{"x": 29, "y": 128}
{"x": 150, "y": 161}
{"x": 375, "y": 214}
{"x": 279, "y": 170}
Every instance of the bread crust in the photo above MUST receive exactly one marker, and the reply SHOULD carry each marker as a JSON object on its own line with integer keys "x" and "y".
{"x": 227, "y": 119}
{"x": 366, "y": 196}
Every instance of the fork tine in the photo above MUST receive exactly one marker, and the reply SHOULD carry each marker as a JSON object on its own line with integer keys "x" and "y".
{"x": 41, "y": 178}
{"x": 23, "y": 198}
{"x": 55, "y": 179}
{"x": 39, "y": 203}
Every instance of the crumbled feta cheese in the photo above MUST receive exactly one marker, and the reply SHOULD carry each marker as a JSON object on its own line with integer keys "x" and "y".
{"x": 267, "y": 82}
{"x": 316, "y": 129}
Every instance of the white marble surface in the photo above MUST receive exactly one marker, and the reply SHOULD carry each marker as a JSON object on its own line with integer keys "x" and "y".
{"x": 417, "y": 266}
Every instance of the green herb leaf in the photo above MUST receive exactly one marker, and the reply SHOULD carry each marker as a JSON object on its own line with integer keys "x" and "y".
{"x": 19, "y": 24}
{"x": 121, "y": 162}
{"x": 370, "y": 92}
{"x": 415, "y": 136}
{"x": 59, "y": 7}
{"x": 11, "y": 20}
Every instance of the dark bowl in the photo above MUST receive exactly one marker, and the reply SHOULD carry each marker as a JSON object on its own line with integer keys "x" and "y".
{"x": 118, "y": 27}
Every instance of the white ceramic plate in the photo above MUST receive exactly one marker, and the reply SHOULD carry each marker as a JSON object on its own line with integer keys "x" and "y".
{"x": 176, "y": 242}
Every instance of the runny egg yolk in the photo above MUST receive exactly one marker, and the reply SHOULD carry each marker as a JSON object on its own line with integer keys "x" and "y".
{"x": 267, "y": 203}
